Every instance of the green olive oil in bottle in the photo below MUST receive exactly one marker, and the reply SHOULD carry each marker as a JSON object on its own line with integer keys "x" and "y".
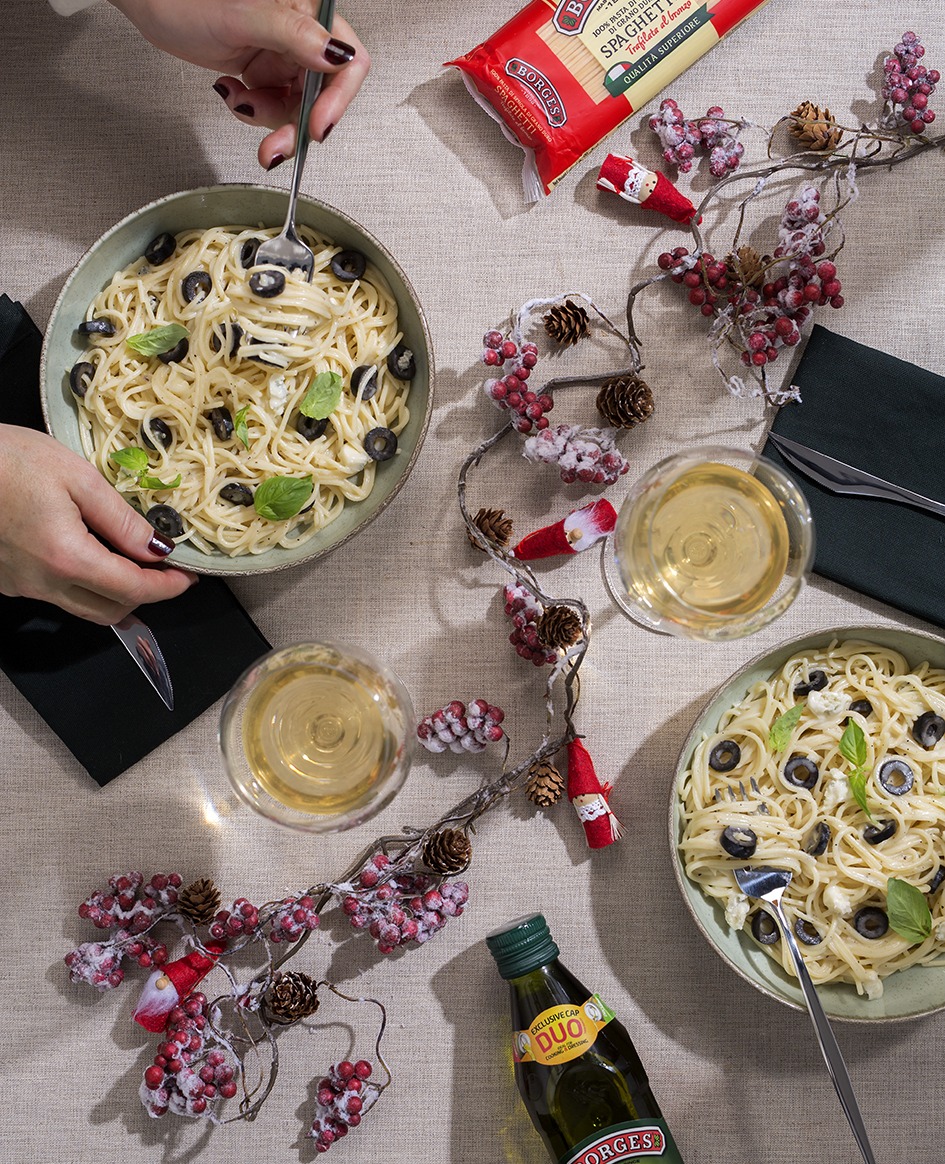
{"x": 578, "y": 1072}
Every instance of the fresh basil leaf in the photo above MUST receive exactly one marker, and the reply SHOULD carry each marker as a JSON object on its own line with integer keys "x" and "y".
{"x": 240, "y": 426}
{"x": 131, "y": 460}
{"x": 853, "y": 745}
{"x": 782, "y": 727}
{"x": 158, "y": 339}
{"x": 908, "y": 909}
{"x": 858, "y": 788}
{"x": 323, "y": 396}
{"x": 147, "y": 482}
{"x": 282, "y": 497}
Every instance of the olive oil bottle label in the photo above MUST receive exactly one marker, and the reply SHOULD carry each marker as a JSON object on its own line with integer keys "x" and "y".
{"x": 633, "y": 1140}
{"x": 561, "y": 1033}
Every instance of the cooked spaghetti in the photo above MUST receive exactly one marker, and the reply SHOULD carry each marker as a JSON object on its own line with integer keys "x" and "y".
{"x": 799, "y": 805}
{"x": 225, "y": 415}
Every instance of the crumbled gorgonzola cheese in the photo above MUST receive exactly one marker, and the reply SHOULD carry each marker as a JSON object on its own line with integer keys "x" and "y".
{"x": 836, "y": 789}
{"x": 823, "y": 703}
{"x": 838, "y": 902}
{"x": 737, "y": 910}
{"x": 278, "y": 394}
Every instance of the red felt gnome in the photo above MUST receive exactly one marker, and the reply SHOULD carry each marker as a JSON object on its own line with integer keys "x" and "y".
{"x": 589, "y": 798}
{"x": 578, "y": 531}
{"x": 171, "y": 984}
{"x": 647, "y": 188}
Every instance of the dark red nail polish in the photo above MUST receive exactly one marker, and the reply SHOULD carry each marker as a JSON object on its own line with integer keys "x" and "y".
{"x": 328, "y": 130}
{"x": 160, "y": 545}
{"x": 245, "y": 110}
{"x": 276, "y": 161}
{"x": 220, "y": 88}
{"x": 338, "y": 53}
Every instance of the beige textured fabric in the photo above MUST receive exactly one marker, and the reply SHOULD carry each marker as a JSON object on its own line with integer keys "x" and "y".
{"x": 96, "y": 124}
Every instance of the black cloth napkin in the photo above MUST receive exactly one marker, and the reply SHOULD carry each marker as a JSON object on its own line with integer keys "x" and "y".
{"x": 78, "y": 675}
{"x": 886, "y": 416}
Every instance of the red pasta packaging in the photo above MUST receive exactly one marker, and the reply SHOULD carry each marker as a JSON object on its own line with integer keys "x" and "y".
{"x": 562, "y": 75}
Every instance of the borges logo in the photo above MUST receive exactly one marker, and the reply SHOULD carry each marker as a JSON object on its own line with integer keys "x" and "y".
{"x": 535, "y": 80}
{"x": 571, "y": 16}
{"x": 632, "y": 1143}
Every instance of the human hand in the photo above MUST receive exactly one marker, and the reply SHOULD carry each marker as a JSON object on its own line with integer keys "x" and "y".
{"x": 263, "y": 48}
{"x": 52, "y": 503}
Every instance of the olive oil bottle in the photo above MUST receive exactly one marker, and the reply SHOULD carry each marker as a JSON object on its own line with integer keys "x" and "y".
{"x": 576, "y": 1067}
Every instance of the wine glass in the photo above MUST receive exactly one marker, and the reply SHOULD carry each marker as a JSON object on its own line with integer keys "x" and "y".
{"x": 317, "y": 736}
{"x": 712, "y": 543}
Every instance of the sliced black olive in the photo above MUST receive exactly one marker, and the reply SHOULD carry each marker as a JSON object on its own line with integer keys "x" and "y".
{"x": 160, "y": 249}
{"x": 937, "y": 879}
{"x": 380, "y": 444}
{"x": 236, "y": 336}
{"x": 196, "y": 283}
{"x": 875, "y": 834}
{"x": 401, "y": 363}
{"x": 238, "y": 494}
{"x": 816, "y": 681}
{"x": 896, "y": 776}
{"x": 166, "y": 520}
{"x": 725, "y": 756}
{"x": 309, "y": 427}
{"x": 870, "y": 921}
{"x": 96, "y": 327}
{"x": 801, "y": 771}
{"x": 156, "y": 432}
{"x": 739, "y": 841}
{"x": 364, "y": 380}
{"x": 928, "y": 729}
{"x": 177, "y": 352}
{"x": 818, "y": 839}
{"x": 349, "y": 265}
{"x": 248, "y": 252}
{"x": 268, "y": 283}
{"x": 863, "y": 706}
{"x": 764, "y": 928}
{"x": 222, "y": 421}
{"x": 806, "y": 932}
{"x": 81, "y": 377}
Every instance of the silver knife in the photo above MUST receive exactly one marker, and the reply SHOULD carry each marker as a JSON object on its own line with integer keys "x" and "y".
{"x": 839, "y": 477}
{"x": 143, "y": 647}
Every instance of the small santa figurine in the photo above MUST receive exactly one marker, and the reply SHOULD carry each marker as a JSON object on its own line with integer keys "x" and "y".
{"x": 169, "y": 986}
{"x": 589, "y": 798}
{"x": 648, "y": 188}
{"x": 574, "y": 533}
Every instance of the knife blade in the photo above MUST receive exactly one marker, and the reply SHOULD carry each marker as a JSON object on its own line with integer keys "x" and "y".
{"x": 140, "y": 643}
{"x": 839, "y": 477}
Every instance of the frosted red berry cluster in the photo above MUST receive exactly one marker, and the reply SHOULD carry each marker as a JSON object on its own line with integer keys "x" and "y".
{"x": 342, "y": 1098}
{"x": 582, "y": 454}
{"x": 461, "y": 728}
{"x": 100, "y": 963}
{"x": 725, "y": 150}
{"x": 907, "y": 85}
{"x": 510, "y": 391}
{"x": 401, "y": 909}
{"x": 131, "y": 904}
{"x": 681, "y": 138}
{"x": 186, "y": 1078}
{"x": 294, "y": 917}
{"x": 524, "y": 609}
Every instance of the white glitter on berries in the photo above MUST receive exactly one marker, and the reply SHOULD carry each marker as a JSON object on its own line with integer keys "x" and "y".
{"x": 582, "y": 454}
{"x": 460, "y": 728}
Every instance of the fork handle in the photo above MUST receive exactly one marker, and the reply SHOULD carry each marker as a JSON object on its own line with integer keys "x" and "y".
{"x": 828, "y": 1043}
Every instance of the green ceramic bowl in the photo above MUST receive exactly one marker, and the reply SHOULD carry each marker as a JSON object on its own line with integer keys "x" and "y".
{"x": 911, "y": 993}
{"x": 223, "y": 206}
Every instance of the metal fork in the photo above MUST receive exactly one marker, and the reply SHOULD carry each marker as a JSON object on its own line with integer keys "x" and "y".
{"x": 287, "y": 249}
{"x": 768, "y": 885}
{"x": 742, "y": 795}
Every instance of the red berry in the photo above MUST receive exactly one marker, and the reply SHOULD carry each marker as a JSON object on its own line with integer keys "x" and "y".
{"x": 492, "y": 339}
{"x": 154, "y": 1077}
{"x": 508, "y": 350}
{"x": 759, "y": 358}
{"x": 491, "y": 357}
{"x": 228, "y": 1089}
{"x": 345, "y": 1069}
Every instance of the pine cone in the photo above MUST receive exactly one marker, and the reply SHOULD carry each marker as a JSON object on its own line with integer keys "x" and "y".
{"x": 814, "y": 127}
{"x": 566, "y": 323}
{"x": 494, "y": 526}
{"x": 291, "y": 997}
{"x": 559, "y": 626}
{"x": 747, "y": 267}
{"x": 544, "y": 784}
{"x": 625, "y": 401}
{"x": 199, "y": 901}
{"x": 448, "y": 851}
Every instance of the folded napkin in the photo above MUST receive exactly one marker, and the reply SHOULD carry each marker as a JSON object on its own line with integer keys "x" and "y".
{"x": 78, "y": 675}
{"x": 886, "y": 416}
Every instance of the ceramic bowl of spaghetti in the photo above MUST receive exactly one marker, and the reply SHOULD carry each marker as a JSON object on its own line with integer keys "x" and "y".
{"x": 257, "y": 419}
{"x": 824, "y": 757}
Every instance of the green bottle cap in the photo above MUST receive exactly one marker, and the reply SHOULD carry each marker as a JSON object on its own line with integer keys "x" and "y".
{"x": 522, "y": 945}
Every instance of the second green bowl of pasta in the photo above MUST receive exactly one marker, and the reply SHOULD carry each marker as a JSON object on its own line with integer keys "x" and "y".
{"x": 216, "y": 407}
{"x": 789, "y": 830}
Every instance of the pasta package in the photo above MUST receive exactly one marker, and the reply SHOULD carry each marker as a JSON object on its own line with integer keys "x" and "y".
{"x": 560, "y": 76}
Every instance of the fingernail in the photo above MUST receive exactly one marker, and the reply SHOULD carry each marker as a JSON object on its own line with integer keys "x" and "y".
{"x": 338, "y": 53}
{"x": 276, "y": 161}
{"x": 160, "y": 545}
{"x": 245, "y": 110}
{"x": 331, "y": 126}
{"x": 220, "y": 88}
